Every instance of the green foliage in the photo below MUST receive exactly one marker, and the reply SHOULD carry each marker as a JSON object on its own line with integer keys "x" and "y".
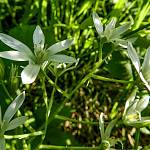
{"x": 5, "y": 121}
{"x": 64, "y": 105}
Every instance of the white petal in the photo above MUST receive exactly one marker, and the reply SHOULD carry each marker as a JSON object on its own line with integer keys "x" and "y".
{"x": 146, "y": 66}
{"x": 142, "y": 103}
{"x": 60, "y": 46}
{"x": 14, "y": 55}
{"x": 134, "y": 57}
{"x": 15, "y": 44}
{"x": 101, "y": 125}
{"x": 120, "y": 30}
{"x": 30, "y": 73}
{"x": 97, "y": 23}
{"x": 38, "y": 37}
{"x": 130, "y": 101}
{"x": 111, "y": 24}
{"x": 62, "y": 59}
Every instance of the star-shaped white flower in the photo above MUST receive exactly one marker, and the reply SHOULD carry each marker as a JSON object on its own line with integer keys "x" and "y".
{"x": 111, "y": 33}
{"x": 40, "y": 56}
{"x": 133, "y": 108}
{"x": 144, "y": 71}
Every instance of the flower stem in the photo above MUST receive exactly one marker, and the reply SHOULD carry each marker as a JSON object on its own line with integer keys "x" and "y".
{"x": 81, "y": 82}
{"x": 2, "y": 142}
{"x": 22, "y": 136}
{"x": 50, "y": 103}
{"x": 67, "y": 147}
{"x": 137, "y": 138}
{"x": 75, "y": 121}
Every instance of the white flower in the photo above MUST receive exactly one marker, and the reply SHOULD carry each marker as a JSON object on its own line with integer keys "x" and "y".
{"x": 39, "y": 58}
{"x": 133, "y": 108}
{"x": 111, "y": 33}
{"x": 144, "y": 71}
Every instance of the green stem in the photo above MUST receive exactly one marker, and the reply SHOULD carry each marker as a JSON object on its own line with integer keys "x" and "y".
{"x": 97, "y": 77}
{"x": 22, "y": 136}
{"x": 2, "y": 142}
{"x": 45, "y": 97}
{"x": 67, "y": 147}
{"x": 137, "y": 138}
{"x": 89, "y": 75}
{"x": 50, "y": 103}
{"x": 55, "y": 85}
{"x": 73, "y": 120}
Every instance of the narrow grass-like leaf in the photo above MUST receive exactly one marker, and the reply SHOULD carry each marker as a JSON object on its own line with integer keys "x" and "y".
{"x": 101, "y": 126}
{"x": 38, "y": 37}
{"x": 144, "y": 10}
{"x": 29, "y": 74}
{"x": 142, "y": 103}
{"x": 110, "y": 127}
{"x": 15, "y": 44}
{"x": 16, "y": 122}
{"x": 60, "y": 46}
{"x": 133, "y": 56}
{"x": 97, "y": 23}
{"x": 13, "y": 108}
{"x": 14, "y": 55}
{"x": 62, "y": 59}
{"x": 0, "y": 117}
{"x": 146, "y": 66}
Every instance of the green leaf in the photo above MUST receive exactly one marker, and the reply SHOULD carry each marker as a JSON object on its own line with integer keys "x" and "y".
{"x": 29, "y": 74}
{"x": 142, "y": 103}
{"x": 120, "y": 30}
{"x": 60, "y": 46}
{"x": 133, "y": 56}
{"x": 2, "y": 143}
{"x": 12, "y": 109}
{"x": 16, "y": 122}
{"x": 97, "y": 23}
{"x": 62, "y": 59}
{"x": 15, "y": 44}
{"x": 146, "y": 66}
{"x": 101, "y": 126}
{"x": 86, "y": 23}
{"x": 110, "y": 127}
{"x": 0, "y": 117}
{"x": 14, "y": 55}
{"x": 38, "y": 37}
